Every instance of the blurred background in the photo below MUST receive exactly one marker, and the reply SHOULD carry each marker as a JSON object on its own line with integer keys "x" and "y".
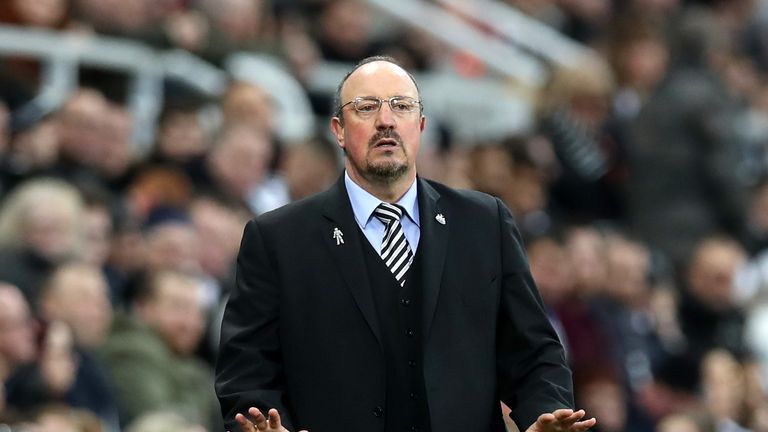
{"x": 628, "y": 137}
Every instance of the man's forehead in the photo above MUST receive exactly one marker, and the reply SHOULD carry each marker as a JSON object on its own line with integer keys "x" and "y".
{"x": 378, "y": 76}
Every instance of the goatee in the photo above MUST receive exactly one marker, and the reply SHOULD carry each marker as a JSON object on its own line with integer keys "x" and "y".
{"x": 386, "y": 172}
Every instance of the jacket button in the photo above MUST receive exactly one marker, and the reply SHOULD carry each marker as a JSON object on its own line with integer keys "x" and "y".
{"x": 378, "y": 411}
{"x": 410, "y": 333}
{"x": 405, "y": 302}
{"x": 411, "y": 363}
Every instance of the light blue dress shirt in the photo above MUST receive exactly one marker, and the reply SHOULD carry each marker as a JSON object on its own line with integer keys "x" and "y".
{"x": 363, "y": 205}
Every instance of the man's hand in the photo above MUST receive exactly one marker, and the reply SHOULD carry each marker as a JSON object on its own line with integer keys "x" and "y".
{"x": 258, "y": 422}
{"x": 562, "y": 420}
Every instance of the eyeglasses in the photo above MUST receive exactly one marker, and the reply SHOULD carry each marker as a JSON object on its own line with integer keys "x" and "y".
{"x": 367, "y": 106}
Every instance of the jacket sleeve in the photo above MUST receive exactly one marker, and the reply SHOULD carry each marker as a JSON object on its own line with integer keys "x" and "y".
{"x": 249, "y": 369}
{"x": 533, "y": 375}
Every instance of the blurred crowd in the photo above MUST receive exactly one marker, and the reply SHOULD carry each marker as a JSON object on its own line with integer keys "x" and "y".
{"x": 641, "y": 190}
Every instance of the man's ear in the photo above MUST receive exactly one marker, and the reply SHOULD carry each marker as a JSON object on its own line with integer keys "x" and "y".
{"x": 337, "y": 129}
{"x": 422, "y": 123}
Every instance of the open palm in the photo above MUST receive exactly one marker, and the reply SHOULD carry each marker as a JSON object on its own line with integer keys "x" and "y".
{"x": 562, "y": 420}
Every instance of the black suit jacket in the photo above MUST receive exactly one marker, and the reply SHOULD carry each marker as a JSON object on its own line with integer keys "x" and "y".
{"x": 300, "y": 332}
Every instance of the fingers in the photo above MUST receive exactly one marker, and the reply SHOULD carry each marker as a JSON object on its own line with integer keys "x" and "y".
{"x": 584, "y": 425}
{"x": 564, "y": 420}
{"x": 564, "y": 415}
{"x": 258, "y": 421}
{"x": 244, "y": 423}
{"x": 274, "y": 419}
{"x": 568, "y": 419}
{"x": 558, "y": 416}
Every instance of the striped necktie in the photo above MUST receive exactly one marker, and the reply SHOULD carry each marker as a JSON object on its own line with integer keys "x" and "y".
{"x": 395, "y": 251}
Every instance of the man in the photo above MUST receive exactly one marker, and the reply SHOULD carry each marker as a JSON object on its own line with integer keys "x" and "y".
{"x": 150, "y": 354}
{"x": 326, "y": 335}
{"x": 76, "y": 296}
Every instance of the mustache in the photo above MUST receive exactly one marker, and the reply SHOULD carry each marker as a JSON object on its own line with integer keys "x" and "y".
{"x": 385, "y": 133}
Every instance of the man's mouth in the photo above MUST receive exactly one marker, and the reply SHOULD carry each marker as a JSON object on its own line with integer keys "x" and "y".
{"x": 386, "y": 142}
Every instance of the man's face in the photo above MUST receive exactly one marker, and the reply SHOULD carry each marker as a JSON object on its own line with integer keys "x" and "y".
{"x": 79, "y": 298}
{"x": 176, "y": 313}
{"x": 173, "y": 246}
{"x": 710, "y": 276}
{"x": 382, "y": 146}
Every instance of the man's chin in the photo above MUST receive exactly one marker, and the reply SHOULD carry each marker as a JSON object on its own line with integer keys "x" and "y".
{"x": 387, "y": 171}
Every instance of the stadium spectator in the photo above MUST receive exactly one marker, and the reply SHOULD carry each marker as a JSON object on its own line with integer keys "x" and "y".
{"x": 149, "y": 353}
{"x": 40, "y": 226}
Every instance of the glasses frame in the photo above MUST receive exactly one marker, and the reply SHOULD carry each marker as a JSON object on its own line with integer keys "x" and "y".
{"x": 380, "y": 102}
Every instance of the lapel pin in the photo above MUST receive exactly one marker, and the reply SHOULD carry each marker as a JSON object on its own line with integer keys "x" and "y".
{"x": 338, "y": 235}
{"x": 440, "y": 218}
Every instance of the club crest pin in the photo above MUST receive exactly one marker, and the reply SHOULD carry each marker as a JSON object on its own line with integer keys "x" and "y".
{"x": 440, "y": 218}
{"x": 338, "y": 235}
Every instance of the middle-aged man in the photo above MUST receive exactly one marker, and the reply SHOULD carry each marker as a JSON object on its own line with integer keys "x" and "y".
{"x": 388, "y": 302}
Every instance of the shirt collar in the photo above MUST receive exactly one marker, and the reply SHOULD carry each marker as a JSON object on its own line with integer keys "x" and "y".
{"x": 363, "y": 203}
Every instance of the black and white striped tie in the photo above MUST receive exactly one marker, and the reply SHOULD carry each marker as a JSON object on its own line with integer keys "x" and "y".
{"x": 395, "y": 251}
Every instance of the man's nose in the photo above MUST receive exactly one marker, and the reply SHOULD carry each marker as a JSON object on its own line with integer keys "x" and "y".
{"x": 385, "y": 118}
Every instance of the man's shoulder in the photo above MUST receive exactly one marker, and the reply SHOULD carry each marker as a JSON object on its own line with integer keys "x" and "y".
{"x": 129, "y": 338}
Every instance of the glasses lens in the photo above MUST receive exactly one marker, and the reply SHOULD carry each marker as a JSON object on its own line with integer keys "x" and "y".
{"x": 367, "y": 105}
{"x": 403, "y": 104}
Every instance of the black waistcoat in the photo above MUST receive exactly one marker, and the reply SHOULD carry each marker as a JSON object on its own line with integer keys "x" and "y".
{"x": 399, "y": 314}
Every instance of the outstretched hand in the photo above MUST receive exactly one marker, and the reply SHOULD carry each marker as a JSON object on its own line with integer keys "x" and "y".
{"x": 562, "y": 420}
{"x": 257, "y": 422}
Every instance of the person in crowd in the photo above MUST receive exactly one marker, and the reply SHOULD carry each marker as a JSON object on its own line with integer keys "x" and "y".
{"x": 219, "y": 228}
{"x": 308, "y": 168}
{"x": 41, "y": 226}
{"x": 604, "y": 395}
{"x": 172, "y": 242}
{"x": 77, "y": 295}
{"x": 724, "y": 390}
{"x": 245, "y": 102}
{"x": 576, "y": 120}
{"x": 61, "y": 418}
{"x": 588, "y": 342}
{"x": 681, "y": 423}
{"x": 239, "y": 168}
{"x": 164, "y": 421}
{"x": 44, "y": 373}
{"x": 682, "y": 148}
{"x": 149, "y": 353}
{"x": 709, "y": 315}
{"x": 552, "y": 270}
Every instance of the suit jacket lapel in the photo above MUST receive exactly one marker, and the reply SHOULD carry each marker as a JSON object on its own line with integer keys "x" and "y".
{"x": 433, "y": 247}
{"x": 348, "y": 255}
